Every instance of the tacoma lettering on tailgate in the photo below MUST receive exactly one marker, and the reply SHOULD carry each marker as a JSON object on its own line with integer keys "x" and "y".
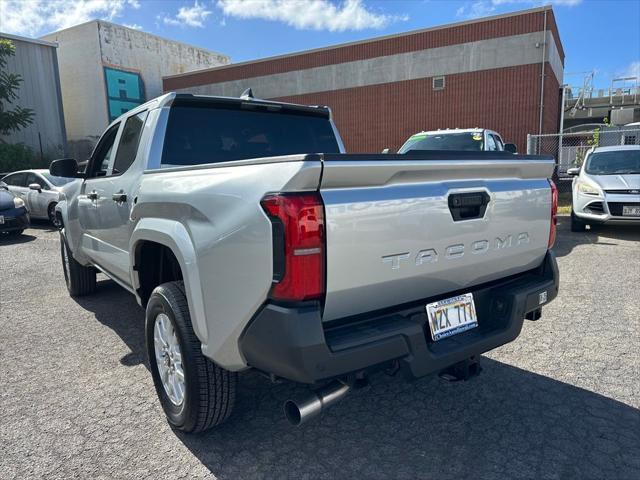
{"x": 479, "y": 247}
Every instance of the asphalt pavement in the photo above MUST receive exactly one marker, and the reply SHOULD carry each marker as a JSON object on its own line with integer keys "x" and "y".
{"x": 561, "y": 402}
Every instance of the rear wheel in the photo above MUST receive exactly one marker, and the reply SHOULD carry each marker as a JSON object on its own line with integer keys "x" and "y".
{"x": 51, "y": 213}
{"x": 80, "y": 280}
{"x": 577, "y": 225}
{"x": 195, "y": 394}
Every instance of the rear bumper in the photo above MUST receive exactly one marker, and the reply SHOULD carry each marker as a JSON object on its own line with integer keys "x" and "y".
{"x": 14, "y": 219}
{"x": 293, "y": 343}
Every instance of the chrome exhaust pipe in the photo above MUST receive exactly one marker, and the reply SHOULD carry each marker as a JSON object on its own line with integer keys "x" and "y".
{"x": 298, "y": 412}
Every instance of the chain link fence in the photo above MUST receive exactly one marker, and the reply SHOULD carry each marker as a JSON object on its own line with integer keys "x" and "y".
{"x": 569, "y": 149}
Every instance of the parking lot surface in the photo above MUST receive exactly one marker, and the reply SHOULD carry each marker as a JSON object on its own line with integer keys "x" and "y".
{"x": 562, "y": 401}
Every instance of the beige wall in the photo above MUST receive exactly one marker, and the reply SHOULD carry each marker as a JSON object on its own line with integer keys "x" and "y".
{"x": 152, "y": 56}
{"x": 82, "y": 85}
{"x": 84, "y": 51}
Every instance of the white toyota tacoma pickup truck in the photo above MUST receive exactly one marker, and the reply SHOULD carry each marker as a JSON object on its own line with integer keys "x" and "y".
{"x": 254, "y": 241}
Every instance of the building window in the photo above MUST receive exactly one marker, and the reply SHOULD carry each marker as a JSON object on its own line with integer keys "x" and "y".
{"x": 629, "y": 139}
{"x": 438, "y": 83}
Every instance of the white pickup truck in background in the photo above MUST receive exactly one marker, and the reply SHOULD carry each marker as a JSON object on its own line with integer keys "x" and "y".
{"x": 254, "y": 241}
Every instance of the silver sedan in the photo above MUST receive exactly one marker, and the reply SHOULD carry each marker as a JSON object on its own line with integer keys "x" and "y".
{"x": 606, "y": 188}
{"x": 40, "y": 191}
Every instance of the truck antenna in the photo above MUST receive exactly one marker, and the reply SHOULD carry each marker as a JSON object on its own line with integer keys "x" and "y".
{"x": 248, "y": 93}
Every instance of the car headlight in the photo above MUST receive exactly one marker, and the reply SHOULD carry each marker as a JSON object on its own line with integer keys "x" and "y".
{"x": 588, "y": 189}
{"x": 18, "y": 202}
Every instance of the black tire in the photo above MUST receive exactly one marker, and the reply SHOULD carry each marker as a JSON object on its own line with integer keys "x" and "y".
{"x": 209, "y": 392}
{"x": 577, "y": 225}
{"x": 51, "y": 213}
{"x": 80, "y": 280}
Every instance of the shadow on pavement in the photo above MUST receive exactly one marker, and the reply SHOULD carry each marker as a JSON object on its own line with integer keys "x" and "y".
{"x": 45, "y": 225}
{"x": 567, "y": 240}
{"x": 7, "y": 239}
{"x": 506, "y": 423}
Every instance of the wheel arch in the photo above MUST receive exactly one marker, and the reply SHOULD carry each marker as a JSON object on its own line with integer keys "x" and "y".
{"x": 172, "y": 240}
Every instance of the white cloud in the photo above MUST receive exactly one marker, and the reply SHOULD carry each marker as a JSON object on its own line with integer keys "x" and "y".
{"x": 135, "y": 26}
{"x": 482, "y": 8}
{"x": 194, "y": 16}
{"x": 633, "y": 70}
{"x": 476, "y": 10}
{"x": 310, "y": 14}
{"x": 35, "y": 17}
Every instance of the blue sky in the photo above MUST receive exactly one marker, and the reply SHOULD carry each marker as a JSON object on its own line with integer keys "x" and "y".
{"x": 597, "y": 34}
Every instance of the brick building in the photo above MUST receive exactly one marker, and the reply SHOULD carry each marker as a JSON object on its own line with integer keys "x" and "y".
{"x": 480, "y": 73}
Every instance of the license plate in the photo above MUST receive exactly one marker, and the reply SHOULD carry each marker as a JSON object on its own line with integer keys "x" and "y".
{"x": 629, "y": 211}
{"x": 452, "y": 316}
{"x": 1, "y": 219}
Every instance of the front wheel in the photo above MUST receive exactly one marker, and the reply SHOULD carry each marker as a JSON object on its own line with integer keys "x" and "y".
{"x": 577, "y": 225}
{"x": 195, "y": 394}
{"x": 80, "y": 280}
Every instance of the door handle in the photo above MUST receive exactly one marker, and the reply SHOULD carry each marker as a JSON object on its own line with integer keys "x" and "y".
{"x": 119, "y": 197}
{"x": 467, "y": 206}
{"x": 92, "y": 195}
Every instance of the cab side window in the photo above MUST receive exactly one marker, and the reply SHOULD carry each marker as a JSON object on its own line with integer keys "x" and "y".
{"x": 16, "y": 180}
{"x": 499, "y": 143}
{"x": 129, "y": 140}
{"x": 491, "y": 144}
{"x": 33, "y": 178}
{"x": 101, "y": 157}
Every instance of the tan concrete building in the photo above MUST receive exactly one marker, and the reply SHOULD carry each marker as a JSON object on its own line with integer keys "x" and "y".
{"x": 108, "y": 69}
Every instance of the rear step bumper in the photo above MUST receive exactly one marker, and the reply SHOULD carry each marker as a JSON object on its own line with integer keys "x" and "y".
{"x": 293, "y": 343}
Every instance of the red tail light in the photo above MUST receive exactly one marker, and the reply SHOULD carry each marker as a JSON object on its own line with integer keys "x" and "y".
{"x": 554, "y": 213}
{"x": 299, "y": 243}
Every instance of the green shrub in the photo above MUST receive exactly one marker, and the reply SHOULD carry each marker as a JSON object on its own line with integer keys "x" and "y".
{"x": 18, "y": 157}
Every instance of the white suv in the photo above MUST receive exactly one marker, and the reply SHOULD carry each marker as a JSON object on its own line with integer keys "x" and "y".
{"x": 606, "y": 188}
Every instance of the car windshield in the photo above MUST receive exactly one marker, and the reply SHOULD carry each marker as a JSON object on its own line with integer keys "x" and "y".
{"x": 471, "y": 141}
{"x": 618, "y": 162}
{"x": 57, "y": 181}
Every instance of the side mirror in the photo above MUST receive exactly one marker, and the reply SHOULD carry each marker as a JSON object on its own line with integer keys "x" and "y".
{"x": 386, "y": 150}
{"x": 573, "y": 172}
{"x": 65, "y": 167}
{"x": 510, "y": 147}
{"x": 35, "y": 186}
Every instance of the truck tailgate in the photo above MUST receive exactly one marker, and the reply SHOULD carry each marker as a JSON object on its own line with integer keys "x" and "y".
{"x": 402, "y": 228}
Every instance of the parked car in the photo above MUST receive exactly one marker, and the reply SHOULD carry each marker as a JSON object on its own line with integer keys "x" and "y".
{"x": 318, "y": 268}
{"x": 14, "y": 217}
{"x": 606, "y": 188}
{"x": 459, "y": 139}
{"x": 40, "y": 191}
